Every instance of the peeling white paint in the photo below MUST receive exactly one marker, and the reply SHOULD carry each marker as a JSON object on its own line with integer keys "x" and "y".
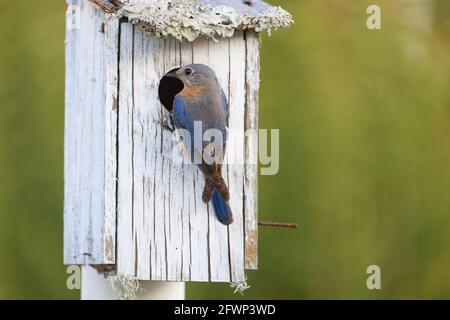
{"x": 191, "y": 19}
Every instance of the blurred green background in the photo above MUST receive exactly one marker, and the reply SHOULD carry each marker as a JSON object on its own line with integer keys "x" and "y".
{"x": 364, "y": 119}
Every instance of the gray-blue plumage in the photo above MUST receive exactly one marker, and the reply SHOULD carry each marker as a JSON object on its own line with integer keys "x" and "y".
{"x": 202, "y": 99}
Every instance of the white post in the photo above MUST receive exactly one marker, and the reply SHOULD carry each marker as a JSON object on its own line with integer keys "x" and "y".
{"x": 94, "y": 286}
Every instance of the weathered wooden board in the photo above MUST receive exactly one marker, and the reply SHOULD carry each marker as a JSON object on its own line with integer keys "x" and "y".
{"x": 165, "y": 231}
{"x": 90, "y": 136}
{"x": 251, "y": 151}
{"x": 126, "y": 201}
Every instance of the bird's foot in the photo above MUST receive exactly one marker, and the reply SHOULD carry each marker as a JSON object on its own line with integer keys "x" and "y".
{"x": 168, "y": 124}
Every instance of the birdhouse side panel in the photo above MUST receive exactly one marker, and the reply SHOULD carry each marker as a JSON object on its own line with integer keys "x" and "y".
{"x": 90, "y": 135}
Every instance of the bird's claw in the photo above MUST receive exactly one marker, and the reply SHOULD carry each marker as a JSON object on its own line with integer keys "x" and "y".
{"x": 168, "y": 124}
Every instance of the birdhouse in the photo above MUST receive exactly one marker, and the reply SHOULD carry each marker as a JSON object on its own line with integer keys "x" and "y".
{"x": 128, "y": 204}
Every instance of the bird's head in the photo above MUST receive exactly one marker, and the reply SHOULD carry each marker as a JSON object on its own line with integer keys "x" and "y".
{"x": 194, "y": 75}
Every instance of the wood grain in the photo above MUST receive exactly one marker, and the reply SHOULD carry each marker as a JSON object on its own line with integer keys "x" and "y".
{"x": 126, "y": 201}
{"x": 90, "y": 136}
{"x": 251, "y": 151}
{"x": 165, "y": 231}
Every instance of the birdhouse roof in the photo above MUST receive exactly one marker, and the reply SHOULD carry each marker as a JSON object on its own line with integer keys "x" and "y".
{"x": 189, "y": 19}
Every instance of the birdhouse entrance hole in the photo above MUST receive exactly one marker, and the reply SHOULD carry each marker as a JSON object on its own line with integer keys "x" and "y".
{"x": 168, "y": 89}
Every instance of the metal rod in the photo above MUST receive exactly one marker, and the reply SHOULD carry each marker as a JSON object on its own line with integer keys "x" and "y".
{"x": 278, "y": 224}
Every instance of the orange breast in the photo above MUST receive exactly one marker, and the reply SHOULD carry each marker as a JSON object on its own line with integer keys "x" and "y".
{"x": 191, "y": 91}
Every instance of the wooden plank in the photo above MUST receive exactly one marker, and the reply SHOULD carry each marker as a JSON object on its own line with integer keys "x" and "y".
{"x": 149, "y": 60}
{"x": 126, "y": 245}
{"x": 200, "y": 233}
{"x": 251, "y": 151}
{"x": 111, "y": 30}
{"x": 89, "y": 170}
{"x": 236, "y": 153}
{"x": 217, "y": 57}
{"x": 160, "y": 171}
{"x": 174, "y": 213}
{"x": 189, "y": 201}
{"x": 141, "y": 136}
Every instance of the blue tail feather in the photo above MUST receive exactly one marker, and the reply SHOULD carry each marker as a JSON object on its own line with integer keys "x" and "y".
{"x": 222, "y": 208}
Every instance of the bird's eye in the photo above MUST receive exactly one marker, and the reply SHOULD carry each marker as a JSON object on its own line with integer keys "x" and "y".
{"x": 188, "y": 71}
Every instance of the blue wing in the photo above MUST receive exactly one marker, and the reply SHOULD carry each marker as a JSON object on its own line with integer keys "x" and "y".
{"x": 179, "y": 114}
{"x": 182, "y": 120}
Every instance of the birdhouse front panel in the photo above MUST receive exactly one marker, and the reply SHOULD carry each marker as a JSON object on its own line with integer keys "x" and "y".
{"x": 128, "y": 201}
{"x": 164, "y": 229}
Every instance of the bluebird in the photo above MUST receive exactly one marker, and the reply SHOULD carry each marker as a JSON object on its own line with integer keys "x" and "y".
{"x": 202, "y": 99}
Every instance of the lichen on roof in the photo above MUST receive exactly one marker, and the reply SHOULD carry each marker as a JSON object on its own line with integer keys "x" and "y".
{"x": 189, "y": 19}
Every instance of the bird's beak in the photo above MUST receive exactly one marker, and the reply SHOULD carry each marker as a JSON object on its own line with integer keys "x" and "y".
{"x": 171, "y": 74}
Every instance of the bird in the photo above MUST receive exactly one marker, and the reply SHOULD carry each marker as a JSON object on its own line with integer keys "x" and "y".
{"x": 203, "y": 99}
